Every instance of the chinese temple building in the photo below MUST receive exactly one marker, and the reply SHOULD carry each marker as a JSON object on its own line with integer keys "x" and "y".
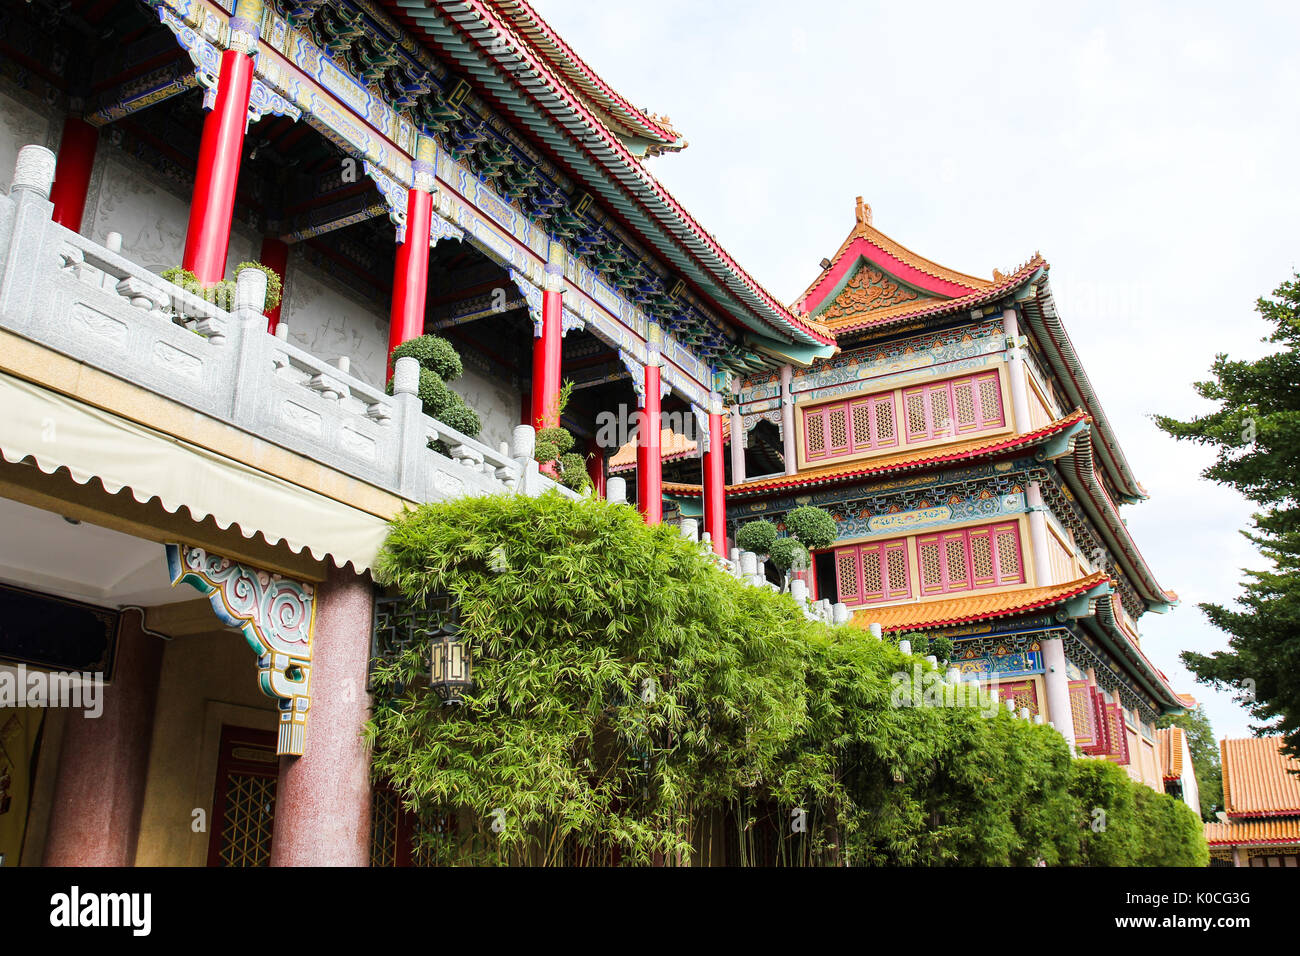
{"x": 1176, "y": 766}
{"x": 194, "y": 492}
{"x": 976, "y": 483}
{"x": 1260, "y": 822}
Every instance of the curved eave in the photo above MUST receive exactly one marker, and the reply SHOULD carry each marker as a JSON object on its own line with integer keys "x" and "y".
{"x": 633, "y": 121}
{"x": 531, "y": 91}
{"x": 1139, "y": 666}
{"x": 1039, "y": 309}
{"x": 1080, "y": 473}
{"x": 1061, "y": 432}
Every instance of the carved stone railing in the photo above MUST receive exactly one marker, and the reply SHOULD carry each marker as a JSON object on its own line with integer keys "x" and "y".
{"x": 94, "y": 305}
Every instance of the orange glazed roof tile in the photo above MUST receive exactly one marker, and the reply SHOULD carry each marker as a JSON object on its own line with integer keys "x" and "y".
{"x": 958, "y": 451}
{"x": 672, "y": 445}
{"x": 1258, "y": 779}
{"x": 1169, "y": 743}
{"x": 973, "y": 607}
{"x": 1252, "y": 832}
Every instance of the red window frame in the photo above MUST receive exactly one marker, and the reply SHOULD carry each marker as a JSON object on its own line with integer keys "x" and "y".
{"x": 852, "y": 563}
{"x": 954, "y": 556}
{"x": 985, "y": 404}
{"x": 853, "y": 442}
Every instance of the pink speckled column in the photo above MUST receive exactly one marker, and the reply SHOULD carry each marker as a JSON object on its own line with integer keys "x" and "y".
{"x": 99, "y": 790}
{"x": 322, "y": 814}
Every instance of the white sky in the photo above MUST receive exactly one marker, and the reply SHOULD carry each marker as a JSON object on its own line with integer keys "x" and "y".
{"x": 1148, "y": 151}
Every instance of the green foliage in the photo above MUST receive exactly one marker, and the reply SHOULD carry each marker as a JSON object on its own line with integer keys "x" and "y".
{"x": 1255, "y": 431}
{"x": 554, "y": 448}
{"x": 439, "y": 363}
{"x": 787, "y": 553}
{"x": 572, "y": 609}
{"x": 814, "y": 527}
{"x": 433, "y": 353}
{"x": 941, "y": 648}
{"x": 756, "y": 536}
{"x": 273, "y": 285}
{"x": 1205, "y": 756}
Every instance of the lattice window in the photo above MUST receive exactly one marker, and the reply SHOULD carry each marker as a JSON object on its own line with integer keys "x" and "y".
{"x": 846, "y": 576}
{"x": 1021, "y": 694}
{"x": 961, "y": 406}
{"x": 981, "y": 556}
{"x": 1081, "y": 713}
{"x": 1118, "y": 751}
{"x": 940, "y": 412}
{"x": 384, "y": 815}
{"x": 870, "y": 573}
{"x": 990, "y": 400}
{"x": 873, "y": 584}
{"x": 815, "y": 430}
{"x": 896, "y": 568}
{"x": 249, "y": 821}
{"x": 837, "y": 429}
{"x": 956, "y": 570}
{"x": 927, "y": 552}
{"x": 917, "y": 421}
{"x": 963, "y": 394}
{"x": 1010, "y": 569}
{"x": 886, "y": 434}
{"x": 862, "y": 432}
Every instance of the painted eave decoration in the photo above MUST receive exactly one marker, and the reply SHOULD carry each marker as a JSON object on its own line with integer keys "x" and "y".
{"x": 1079, "y": 469}
{"x": 1062, "y": 431}
{"x": 502, "y": 47}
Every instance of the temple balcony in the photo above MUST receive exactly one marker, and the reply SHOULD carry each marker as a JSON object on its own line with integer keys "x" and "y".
{"x": 143, "y": 385}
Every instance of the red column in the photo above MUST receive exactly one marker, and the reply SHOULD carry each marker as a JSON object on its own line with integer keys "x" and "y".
{"x": 546, "y": 349}
{"x": 649, "y": 455}
{"x": 99, "y": 789}
{"x": 411, "y": 274}
{"x": 322, "y": 813}
{"x": 72, "y": 172}
{"x": 596, "y": 466}
{"x": 715, "y": 509}
{"x": 275, "y": 255}
{"x": 213, "y": 207}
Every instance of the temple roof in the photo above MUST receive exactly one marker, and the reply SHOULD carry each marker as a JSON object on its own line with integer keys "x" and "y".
{"x": 1258, "y": 778}
{"x": 673, "y": 446}
{"x": 907, "y": 461}
{"x": 1253, "y": 832}
{"x": 969, "y": 608}
{"x": 874, "y": 284}
{"x": 1170, "y": 742}
{"x": 618, "y": 114}
{"x": 547, "y": 93}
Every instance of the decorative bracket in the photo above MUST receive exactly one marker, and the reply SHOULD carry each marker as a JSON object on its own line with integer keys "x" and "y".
{"x": 263, "y": 99}
{"x": 532, "y": 297}
{"x": 277, "y": 616}
{"x": 394, "y": 194}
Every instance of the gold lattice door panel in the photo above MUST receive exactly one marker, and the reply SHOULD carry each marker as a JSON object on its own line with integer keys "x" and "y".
{"x": 243, "y": 801}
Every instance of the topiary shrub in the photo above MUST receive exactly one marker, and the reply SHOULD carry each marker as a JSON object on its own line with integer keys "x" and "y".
{"x": 814, "y": 527}
{"x": 439, "y": 363}
{"x": 941, "y": 648}
{"x": 554, "y": 446}
{"x": 787, "y": 553}
{"x": 433, "y": 353}
{"x": 756, "y": 536}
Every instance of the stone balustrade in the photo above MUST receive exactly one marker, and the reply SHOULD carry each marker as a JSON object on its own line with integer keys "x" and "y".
{"x": 95, "y": 305}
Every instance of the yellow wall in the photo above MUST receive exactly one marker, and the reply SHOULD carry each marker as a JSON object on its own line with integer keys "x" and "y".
{"x": 207, "y": 680}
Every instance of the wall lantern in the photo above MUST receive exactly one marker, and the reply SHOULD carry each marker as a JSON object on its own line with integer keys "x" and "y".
{"x": 449, "y": 660}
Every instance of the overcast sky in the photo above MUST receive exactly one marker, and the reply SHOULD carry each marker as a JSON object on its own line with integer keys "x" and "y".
{"x": 1148, "y": 151}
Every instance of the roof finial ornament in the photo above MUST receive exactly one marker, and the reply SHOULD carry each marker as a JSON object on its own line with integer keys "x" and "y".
{"x": 864, "y": 213}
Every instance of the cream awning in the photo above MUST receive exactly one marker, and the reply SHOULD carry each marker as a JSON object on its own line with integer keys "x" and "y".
{"x": 60, "y": 432}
